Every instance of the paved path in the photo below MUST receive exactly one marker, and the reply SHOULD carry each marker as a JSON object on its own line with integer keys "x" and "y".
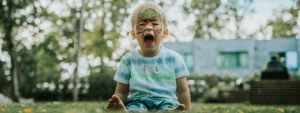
{"x": 6, "y": 100}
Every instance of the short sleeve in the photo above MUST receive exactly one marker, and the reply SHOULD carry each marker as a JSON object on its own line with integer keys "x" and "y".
{"x": 123, "y": 73}
{"x": 179, "y": 66}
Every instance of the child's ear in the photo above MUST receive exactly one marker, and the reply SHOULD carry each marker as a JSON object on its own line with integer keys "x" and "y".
{"x": 166, "y": 32}
{"x": 132, "y": 34}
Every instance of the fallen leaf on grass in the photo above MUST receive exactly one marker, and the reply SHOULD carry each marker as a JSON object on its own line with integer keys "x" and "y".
{"x": 240, "y": 111}
{"x": 227, "y": 111}
{"x": 42, "y": 110}
{"x": 98, "y": 110}
{"x": 280, "y": 110}
{"x": 215, "y": 107}
{"x": 23, "y": 105}
{"x": 72, "y": 111}
{"x": 255, "y": 108}
{"x": 27, "y": 110}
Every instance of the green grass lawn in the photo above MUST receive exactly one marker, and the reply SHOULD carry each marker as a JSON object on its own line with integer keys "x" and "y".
{"x": 98, "y": 107}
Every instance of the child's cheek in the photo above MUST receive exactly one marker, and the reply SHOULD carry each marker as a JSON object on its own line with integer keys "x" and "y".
{"x": 158, "y": 31}
{"x": 139, "y": 31}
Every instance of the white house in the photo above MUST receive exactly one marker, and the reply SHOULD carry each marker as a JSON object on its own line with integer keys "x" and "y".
{"x": 236, "y": 56}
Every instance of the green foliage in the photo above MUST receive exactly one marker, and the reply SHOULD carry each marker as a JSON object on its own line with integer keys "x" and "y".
{"x": 102, "y": 86}
{"x": 97, "y": 44}
{"x": 206, "y": 8}
{"x": 97, "y": 40}
{"x": 10, "y": 21}
{"x": 47, "y": 60}
{"x": 41, "y": 63}
{"x": 26, "y": 69}
{"x": 212, "y": 16}
{"x": 211, "y": 80}
{"x": 284, "y": 28}
{"x": 214, "y": 83}
{"x": 102, "y": 42}
{"x": 256, "y": 76}
{"x": 227, "y": 79}
{"x": 4, "y": 83}
{"x": 247, "y": 103}
{"x": 211, "y": 95}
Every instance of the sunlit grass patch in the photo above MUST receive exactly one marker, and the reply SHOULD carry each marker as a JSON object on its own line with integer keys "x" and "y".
{"x": 242, "y": 108}
{"x": 99, "y": 107}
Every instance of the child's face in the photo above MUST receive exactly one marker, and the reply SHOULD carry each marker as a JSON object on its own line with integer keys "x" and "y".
{"x": 148, "y": 30}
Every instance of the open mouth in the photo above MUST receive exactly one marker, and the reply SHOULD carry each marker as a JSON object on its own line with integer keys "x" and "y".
{"x": 148, "y": 39}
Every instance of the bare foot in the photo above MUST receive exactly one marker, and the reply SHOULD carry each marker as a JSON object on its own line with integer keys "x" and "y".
{"x": 115, "y": 103}
{"x": 179, "y": 107}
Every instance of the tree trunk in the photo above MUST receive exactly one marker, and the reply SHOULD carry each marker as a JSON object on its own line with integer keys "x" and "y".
{"x": 14, "y": 74}
{"x": 102, "y": 62}
{"x": 78, "y": 54}
{"x": 102, "y": 66}
{"x": 9, "y": 40}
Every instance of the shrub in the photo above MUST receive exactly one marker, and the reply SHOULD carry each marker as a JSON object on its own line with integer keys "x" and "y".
{"x": 211, "y": 95}
{"x": 102, "y": 85}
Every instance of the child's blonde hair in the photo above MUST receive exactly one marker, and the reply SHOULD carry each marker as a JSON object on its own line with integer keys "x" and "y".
{"x": 149, "y": 5}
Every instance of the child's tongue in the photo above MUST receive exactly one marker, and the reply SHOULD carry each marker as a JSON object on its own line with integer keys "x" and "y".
{"x": 148, "y": 42}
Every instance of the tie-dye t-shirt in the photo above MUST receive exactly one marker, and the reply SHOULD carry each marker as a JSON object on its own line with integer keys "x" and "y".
{"x": 151, "y": 76}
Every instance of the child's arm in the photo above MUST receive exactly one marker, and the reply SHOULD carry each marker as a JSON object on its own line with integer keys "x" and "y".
{"x": 122, "y": 91}
{"x": 183, "y": 93}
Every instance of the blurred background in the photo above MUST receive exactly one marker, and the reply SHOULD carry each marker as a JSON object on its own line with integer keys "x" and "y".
{"x": 40, "y": 54}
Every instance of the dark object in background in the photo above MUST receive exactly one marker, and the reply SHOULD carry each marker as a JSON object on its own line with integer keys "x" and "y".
{"x": 241, "y": 86}
{"x": 275, "y": 92}
{"x": 234, "y": 96}
{"x": 275, "y": 70}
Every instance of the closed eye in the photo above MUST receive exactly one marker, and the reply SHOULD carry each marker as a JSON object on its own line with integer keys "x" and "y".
{"x": 155, "y": 23}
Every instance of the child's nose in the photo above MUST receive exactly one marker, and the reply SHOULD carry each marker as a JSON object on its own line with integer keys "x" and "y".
{"x": 148, "y": 27}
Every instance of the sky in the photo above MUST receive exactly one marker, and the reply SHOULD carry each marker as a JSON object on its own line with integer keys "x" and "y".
{"x": 263, "y": 9}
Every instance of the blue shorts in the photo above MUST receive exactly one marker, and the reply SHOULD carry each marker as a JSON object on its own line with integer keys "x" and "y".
{"x": 150, "y": 103}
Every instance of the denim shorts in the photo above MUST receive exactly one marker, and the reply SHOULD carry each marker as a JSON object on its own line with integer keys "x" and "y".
{"x": 150, "y": 103}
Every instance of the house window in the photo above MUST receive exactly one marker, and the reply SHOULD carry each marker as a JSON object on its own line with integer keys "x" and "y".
{"x": 232, "y": 60}
{"x": 188, "y": 60}
{"x": 289, "y": 59}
